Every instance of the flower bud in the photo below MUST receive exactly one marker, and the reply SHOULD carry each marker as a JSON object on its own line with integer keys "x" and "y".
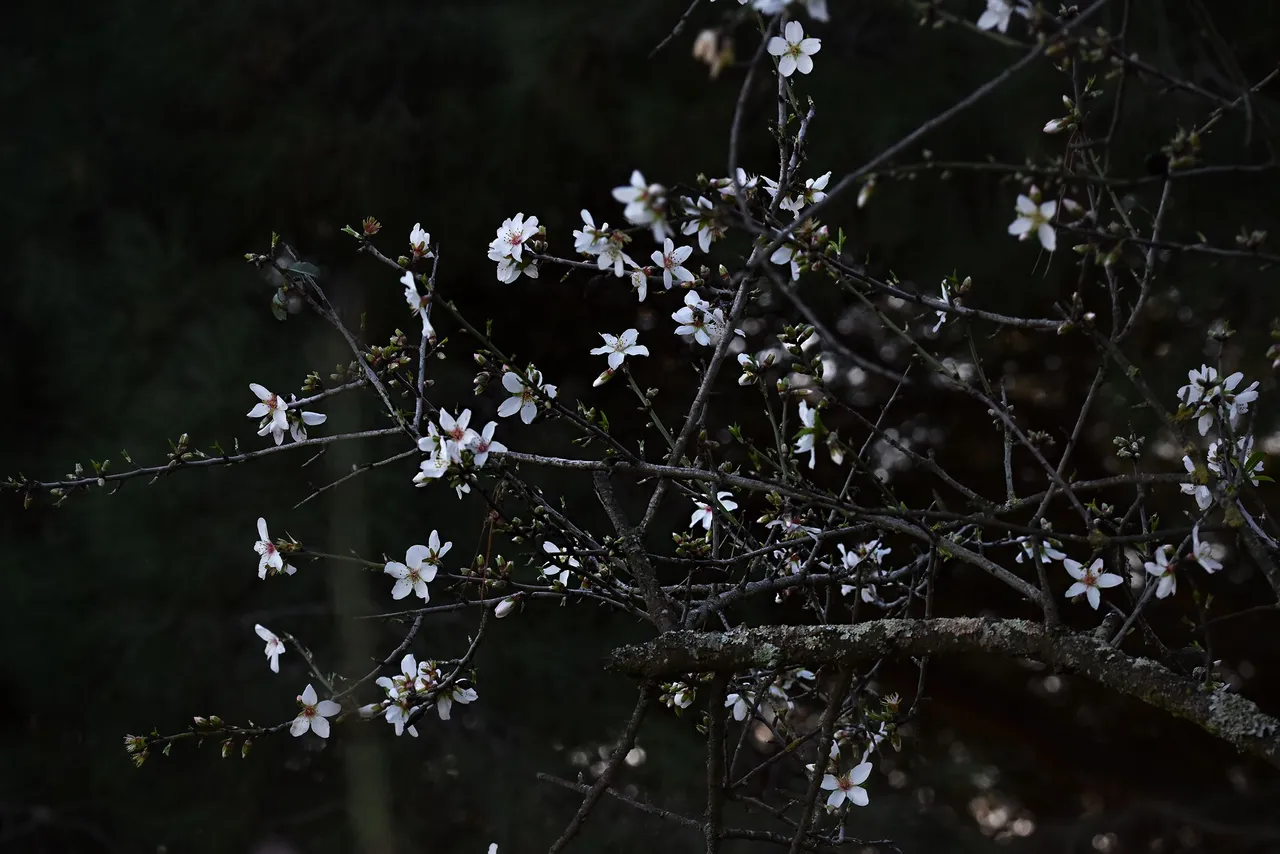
{"x": 505, "y": 607}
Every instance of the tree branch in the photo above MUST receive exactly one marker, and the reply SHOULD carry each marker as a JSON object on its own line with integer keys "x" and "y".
{"x": 1230, "y": 717}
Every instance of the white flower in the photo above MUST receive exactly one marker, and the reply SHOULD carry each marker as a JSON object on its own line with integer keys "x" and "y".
{"x": 300, "y": 421}
{"x": 1162, "y": 569}
{"x": 1240, "y": 461}
{"x": 419, "y": 304}
{"x": 847, "y": 787}
{"x": 419, "y": 567}
{"x": 590, "y": 240}
{"x": 1199, "y": 385}
{"x": 485, "y": 444}
{"x": 1088, "y": 580}
{"x": 996, "y": 17}
{"x": 1034, "y": 548}
{"x": 1208, "y": 395}
{"x": 670, "y": 260}
{"x": 1237, "y": 402}
{"x": 640, "y": 281}
{"x": 789, "y": 523}
{"x": 705, "y": 512}
{"x": 1203, "y": 496}
{"x": 523, "y": 394}
{"x": 312, "y": 715}
{"x": 698, "y": 319}
{"x": 943, "y": 315}
{"x": 1032, "y": 217}
{"x": 611, "y": 255}
{"x": 741, "y": 706}
{"x": 646, "y": 204}
{"x": 787, "y": 255}
{"x": 871, "y": 550}
{"x": 513, "y": 233}
{"x": 456, "y": 434}
{"x": 437, "y": 463}
{"x": 704, "y": 223}
{"x": 1202, "y": 552}
{"x": 271, "y": 560}
{"x": 795, "y": 51}
{"x": 420, "y": 242}
{"x": 397, "y": 715}
{"x": 810, "y": 195}
{"x": 404, "y": 683}
{"x": 808, "y": 431}
{"x": 1056, "y": 125}
{"x": 746, "y": 182}
{"x": 509, "y": 268}
{"x": 275, "y": 646}
{"x": 505, "y": 607}
{"x": 444, "y": 702}
{"x": 619, "y": 347}
{"x": 271, "y": 408}
{"x": 561, "y": 562}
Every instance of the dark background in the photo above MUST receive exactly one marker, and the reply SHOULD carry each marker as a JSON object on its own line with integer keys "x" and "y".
{"x": 148, "y": 146}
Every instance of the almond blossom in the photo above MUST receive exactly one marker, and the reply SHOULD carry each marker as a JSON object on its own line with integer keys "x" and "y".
{"x": 1242, "y": 461}
{"x": 299, "y": 422}
{"x": 1210, "y": 396}
{"x": 271, "y": 408}
{"x": 1162, "y": 568}
{"x": 419, "y": 568}
{"x": 1036, "y": 548}
{"x": 561, "y": 563}
{"x": 275, "y": 646}
{"x": 788, "y": 255}
{"x": 809, "y": 428}
{"x": 523, "y": 390}
{"x": 1203, "y": 496}
{"x": 1034, "y": 217}
{"x": 794, "y": 50}
{"x": 313, "y": 713}
{"x": 705, "y": 512}
{"x": 1202, "y": 552}
{"x": 456, "y": 434}
{"x": 812, "y": 194}
{"x": 271, "y": 560}
{"x": 619, "y": 347}
{"x": 704, "y": 222}
{"x": 847, "y": 787}
{"x": 512, "y": 235}
{"x": 1088, "y": 580}
{"x": 746, "y": 183}
{"x": 741, "y": 704}
{"x": 588, "y": 240}
{"x": 670, "y": 260}
{"x": 698, "y": 319}
{"x": 646, "y": 204}
{"x": 484, "y": 445}
{"x": 420, "y": 242}
{"x": 456, "y": 694}
{"x": 419, "y": 304}
{"x": 997, "y": 14}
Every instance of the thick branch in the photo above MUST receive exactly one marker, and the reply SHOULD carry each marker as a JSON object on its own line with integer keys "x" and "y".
{"x": 1230, "y": 717}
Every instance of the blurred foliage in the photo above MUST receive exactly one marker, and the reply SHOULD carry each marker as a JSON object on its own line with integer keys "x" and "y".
{"x": 148, "y": 146}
